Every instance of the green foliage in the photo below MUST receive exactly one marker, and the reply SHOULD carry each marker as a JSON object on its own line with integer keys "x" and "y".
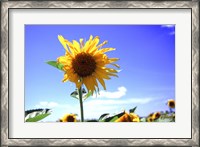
{"x": 56, "y": 64}
{"x": 85, "y": 94}
{"x": 132, "y": 110}
{"x": 114, "y": 118}
{"x": 37, "y": 118}
{"x": 103, "y": 117}
{"x": 36, "y": 114}
{"x": 75, "y": 94}
{"x": 91, "y": 120}
{"x": 164, "y": 117}
{"x": 143, "y": 119}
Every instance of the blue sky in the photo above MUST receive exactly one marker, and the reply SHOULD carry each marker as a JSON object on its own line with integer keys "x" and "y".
{"x": 147, "y": 61}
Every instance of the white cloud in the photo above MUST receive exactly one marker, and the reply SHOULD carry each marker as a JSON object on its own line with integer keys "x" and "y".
{"x": 168, "y": 26}
{"x": 172, "y": 33}
{"x": 118, "y": 102}
{"x": 171, "y": 28}
{"x": 46, "y": 104}
{"x": 96, "y": 107}
{"x": 93, "y": 108}
{"x": 121, "y": 91}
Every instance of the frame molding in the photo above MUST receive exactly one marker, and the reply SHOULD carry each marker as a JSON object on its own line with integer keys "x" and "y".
{"x": 6, "y": 5}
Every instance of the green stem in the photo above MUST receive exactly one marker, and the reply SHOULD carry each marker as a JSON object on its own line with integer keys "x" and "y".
{"x": 81, "y": 103}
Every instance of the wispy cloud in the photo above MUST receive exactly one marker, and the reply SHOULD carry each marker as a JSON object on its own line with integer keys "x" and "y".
{"x": 94, "y": 107}
{"x": 171, "y": 28}
{"x": 168, "y": 26}
{"x": 119, "y": 102}
{"x": 172, "y": 33}
{"x": 121, "y": 91}
{"x": 45, "y": 104}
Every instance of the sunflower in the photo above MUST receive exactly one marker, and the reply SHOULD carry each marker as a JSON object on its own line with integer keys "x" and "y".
{"x": 149, "y": 119}
{"x": 150, "y": 115}
{"x": 171, "y": 103}
{"x": 124, "y": 118}
{"x": 134, "y": 117}
{"x": 68, "y": 118}
{"x": 156, "y": 115}
{"x": 85, "y": 63}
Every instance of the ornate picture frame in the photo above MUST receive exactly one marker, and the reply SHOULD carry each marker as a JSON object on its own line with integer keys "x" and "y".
{"x": 6, "y": 6}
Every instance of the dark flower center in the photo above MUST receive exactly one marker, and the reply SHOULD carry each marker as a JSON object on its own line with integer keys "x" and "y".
{"x": 84, "y": 64}
{"x": 150, "y": 115}
{"x": 70, "y": 119}
{"x": 171, "y": 104}
{"x": 150, "y": 119}
{"x": 157, "y": 115}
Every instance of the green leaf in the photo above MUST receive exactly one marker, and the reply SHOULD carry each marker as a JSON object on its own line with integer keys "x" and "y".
{"x": 87, "y": 95}
{"x": 56, "y": 64}
{"x": 113, "y": 118}
{"x": 37, "y": 118}
{"x": 75, "y": 94}
{"x": 132, "y": 110}
{"x": 166, "y": 118}
{"x": 143, "y": 119}
{"x": 36, "y": 114}
{"x": 103, "y": 116}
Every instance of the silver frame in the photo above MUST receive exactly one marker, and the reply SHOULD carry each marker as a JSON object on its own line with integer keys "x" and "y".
{"x": 193, "y": 5}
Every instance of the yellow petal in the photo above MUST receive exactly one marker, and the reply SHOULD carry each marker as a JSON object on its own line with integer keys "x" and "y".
{"x": 100, "y": 63}
{"x": 92, "y": 84}
{"x": 106, "y": 50}
{"x": 101, "y": 81}
{"x": 62, "y": 59}
{"x": 66, "y": 78}
{"x": 87, "y": 44}
{"x": 76, "y": 45}
{"x": 94, "y": 81}
{"x": 78, "y": 84}
{"x": 113, "y": 59}
{"x": 112, "y": 74}
{"x": 93, "y": 45}
{"x": 91, "y": 37}
{"x": 124, "y": 118}
{"x": 62, "y": 41}
{"x": 81, "y": 43}
{"x": 73, "y": 77}
{"x": 102, "y": 44}
{"x": 87, "y": 83}
{"x": 116, "y": 65}
{"x": 111, "y": 70}
{"x": 134, "y": 117}
{"x": 102, "y": 73}
{"x": 66, "y": 67}
{"x": 71, "y": 46}
{"x": 99, "y": 56}
{"x": 64, "y": 44}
